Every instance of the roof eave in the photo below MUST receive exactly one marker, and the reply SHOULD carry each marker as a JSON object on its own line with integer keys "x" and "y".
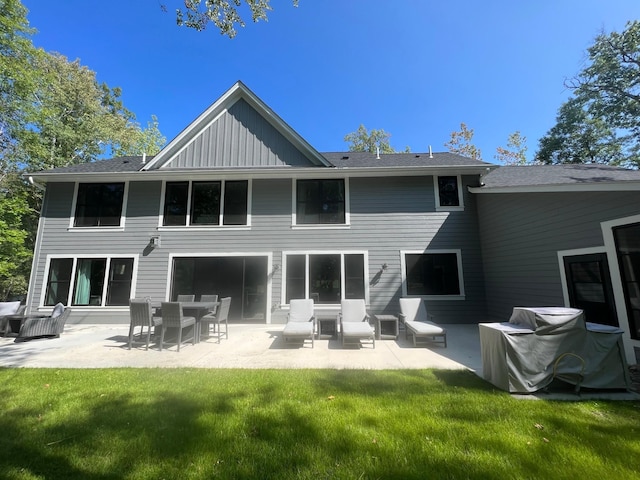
{"x": 622, "y": 185}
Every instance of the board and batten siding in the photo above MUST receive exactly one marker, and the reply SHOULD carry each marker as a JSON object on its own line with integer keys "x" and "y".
{"x": 522, "y": 233}
{"x": 388, "y": 215}
{"x": 240, "y": 137}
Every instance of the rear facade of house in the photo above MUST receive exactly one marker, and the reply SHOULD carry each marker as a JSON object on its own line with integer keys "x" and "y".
{"x": 240, "y": 205}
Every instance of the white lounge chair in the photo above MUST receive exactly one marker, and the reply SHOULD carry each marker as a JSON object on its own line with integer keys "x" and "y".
{"x": 354, "y": 322}
{"x": 301, "y": 323}
{"x": 418, "y": 323}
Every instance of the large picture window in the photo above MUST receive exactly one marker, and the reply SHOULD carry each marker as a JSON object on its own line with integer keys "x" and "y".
{"x": 99, "y": 205}
{"x": 433, "y": 273}
{"x": 326, "y": 278}
{"x": 102, "y": 281}
{"x": 320, "y": 202}
{"x": 206, "y": 203}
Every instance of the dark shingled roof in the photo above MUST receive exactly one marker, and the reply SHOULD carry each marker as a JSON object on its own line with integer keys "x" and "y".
{"x": 567, "y": 174}
{"x": 366, "y": 159}
{"x": 113, "y": 165}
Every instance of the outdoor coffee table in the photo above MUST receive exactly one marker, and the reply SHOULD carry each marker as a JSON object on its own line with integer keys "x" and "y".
{"x": 386, "y": 326}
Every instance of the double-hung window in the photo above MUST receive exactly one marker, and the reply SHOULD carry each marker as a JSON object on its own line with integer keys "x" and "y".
{"x": 321, "y": 202}
{"x": 327, "y": 278}
{"x": 448, "y": 192}
{"x": 89, "y": 281}
{"x": 206, "y": 203}
{"x": 99, "y": 204}
{"x": 433, "y": 273}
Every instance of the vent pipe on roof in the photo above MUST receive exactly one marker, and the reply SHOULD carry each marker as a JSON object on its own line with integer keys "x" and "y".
{"x": 144, "y": 157}
{"x": 430, "y": 153}
{"x": 378, "y": 153}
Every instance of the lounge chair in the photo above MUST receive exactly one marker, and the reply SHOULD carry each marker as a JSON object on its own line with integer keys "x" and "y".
{"x": 354, "y": 322}
{"x": 39, "y": 326}
{"x": 301, "y": 323}
{"x": 7, "y": 309}
{"x": 172, "y": 317}
{"x": 141, "y": 316}
{"x": 418, "y": 323}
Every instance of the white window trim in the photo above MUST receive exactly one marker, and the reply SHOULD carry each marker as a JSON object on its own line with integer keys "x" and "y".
{"x": 403, "y": 266}
{"x": 436, "y": 192}
{"x": 123, "y": 214}
{"x": 270, "y": 271}
{"x": 616, "y": 282}
{"x": 563, "y": 273}
{"x": 320, "y": 226}
{"x": 220, "y": 225}
{"x": 342, "y": 253}
{"x": 75, "y": 258}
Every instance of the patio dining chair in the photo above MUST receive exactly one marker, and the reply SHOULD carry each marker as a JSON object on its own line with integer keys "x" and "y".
{"x": 173, "y": 318}
{"x": 418, "y": 323}
{"x": 141, "y": 316}
{"x": 186, "y": 298}
{"x": 211, "y": 320}
{"x": 301, "y": 323}
{"x": 210, "y": 298}
{"x": 354, "y": 322}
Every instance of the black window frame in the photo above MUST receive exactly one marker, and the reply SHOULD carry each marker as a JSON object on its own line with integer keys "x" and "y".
{"x": 433, "y": 274}
{"x": 95, "y": 207}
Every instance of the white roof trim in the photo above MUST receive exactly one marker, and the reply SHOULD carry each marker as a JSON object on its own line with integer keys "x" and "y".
{"x": 231, "y": 96}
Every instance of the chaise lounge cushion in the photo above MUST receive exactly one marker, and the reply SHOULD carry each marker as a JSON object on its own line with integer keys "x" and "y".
{"x": 425, "y": 328}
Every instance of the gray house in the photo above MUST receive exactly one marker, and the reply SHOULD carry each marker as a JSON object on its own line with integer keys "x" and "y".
{"x": 240, "y": 205}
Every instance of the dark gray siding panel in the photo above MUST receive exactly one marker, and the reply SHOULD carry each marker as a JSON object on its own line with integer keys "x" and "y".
{"x": 240, "y": 137}
{"x": 521, "y": 235}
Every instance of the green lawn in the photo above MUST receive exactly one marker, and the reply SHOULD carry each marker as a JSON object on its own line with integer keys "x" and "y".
{"x": 280, "y": 424}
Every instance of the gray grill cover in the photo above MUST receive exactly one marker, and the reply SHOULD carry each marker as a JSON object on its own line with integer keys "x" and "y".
{"x": 537, "y": 345}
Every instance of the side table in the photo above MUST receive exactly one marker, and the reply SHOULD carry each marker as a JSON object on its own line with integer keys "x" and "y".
{"x": 327, "y": 326}
{"x": 386, "y": 327}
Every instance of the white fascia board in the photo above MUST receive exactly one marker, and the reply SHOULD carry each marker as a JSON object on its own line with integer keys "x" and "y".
{"x": 591, "y": 187}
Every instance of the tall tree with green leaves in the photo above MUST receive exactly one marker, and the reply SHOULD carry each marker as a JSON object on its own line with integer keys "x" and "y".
{"x": 372, "y": 141}
{"x": 223, "y": 14}
{"x": 461, "y": 142}
{"x": 516, "y": 151}
{"x": 600, "y": 123}
{"x": 147, "y": 141}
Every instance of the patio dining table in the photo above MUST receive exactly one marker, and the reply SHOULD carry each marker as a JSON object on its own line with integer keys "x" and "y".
{"x": 191, "y": 309}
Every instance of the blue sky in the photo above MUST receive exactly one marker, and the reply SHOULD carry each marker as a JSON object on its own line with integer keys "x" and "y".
{"x": 415, "y": 68}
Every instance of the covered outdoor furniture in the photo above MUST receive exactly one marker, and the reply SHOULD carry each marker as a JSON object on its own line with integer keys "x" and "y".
{"x": 213, "y": 320}
{"x": 354, "y": 322}
{"x": 8, "y": 309}
{"x": 418, "y": 323}
{"x": 141, "y": 315}
{"x": 540, "y": 345}
{"x": 173, "y": 318}
{"x": 44, "y": 326}
{"x": 301, "y": 323}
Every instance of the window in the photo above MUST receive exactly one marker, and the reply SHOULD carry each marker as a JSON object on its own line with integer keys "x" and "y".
{"x": 326, "y": 278}
{"x": 433, "y": 273}
{"x": 448, "y": 189}
{"x": 99, "y": 205}
{"x": 206, "y": 203}
{"x": 96, "y": 281}
{"x": 320, "y": 202}
{"x": 627, "y": 241}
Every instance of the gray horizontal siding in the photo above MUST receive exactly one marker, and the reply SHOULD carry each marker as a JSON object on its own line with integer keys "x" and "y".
{"x": 387, "y": 215}
{"x": 240, "y": 137}
{"x": 521, "y": 235}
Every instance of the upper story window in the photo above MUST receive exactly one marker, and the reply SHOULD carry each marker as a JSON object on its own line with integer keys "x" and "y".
{"x": 206, "y": 203}
{"x": 448, "y": 192}
{"x": 433, "y": 273}
{"x": 94, "y": 281}
{"x": 99, "y": 205}
{"x": 321, "y": 202}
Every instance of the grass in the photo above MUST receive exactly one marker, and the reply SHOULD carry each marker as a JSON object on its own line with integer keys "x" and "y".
{"x": 285, "y": 424}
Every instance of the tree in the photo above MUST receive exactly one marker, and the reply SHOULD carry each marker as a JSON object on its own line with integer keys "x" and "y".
{"x": 516, "y": 151}
{"x": 364, "y": 141}
{"x": 148, "y": 141}
{"x": 600, "y": 123}
{"x": 222, "y": 13}
{"x": 460, "y": 143}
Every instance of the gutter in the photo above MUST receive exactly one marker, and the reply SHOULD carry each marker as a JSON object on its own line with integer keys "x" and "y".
{"x": 40, "y": 187}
